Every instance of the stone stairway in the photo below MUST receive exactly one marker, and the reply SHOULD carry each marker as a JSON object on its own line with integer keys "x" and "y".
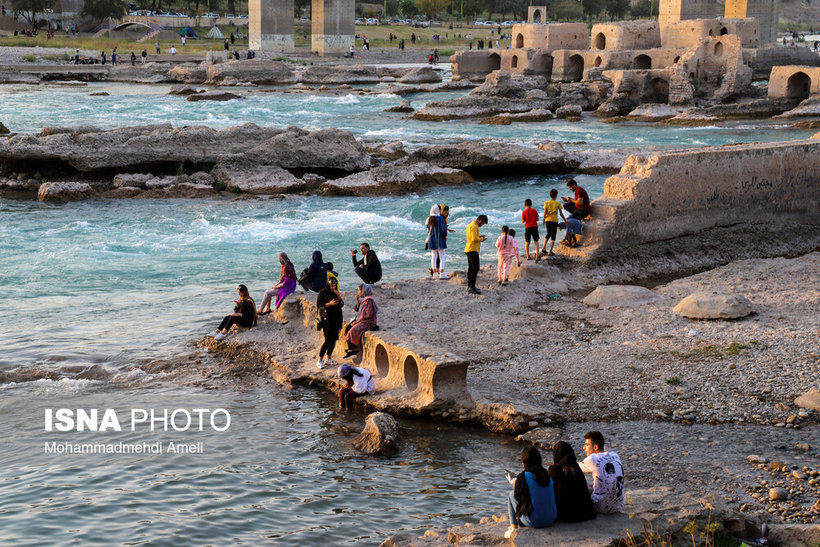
{"x": 149, "y": 36}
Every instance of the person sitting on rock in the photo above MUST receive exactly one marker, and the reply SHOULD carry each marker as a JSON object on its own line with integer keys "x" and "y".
{"x": 607, "y": 489}
{"x": 244, "y": 314}
{"x": 358, "y": 381}
{"x": 369, "y": 269}
{"x": 574, "y": 228}
{"x": 532, "y": 501}
{"x": 572, "y": 497}
{"x": 314, "y": 277}
{"x": 578, "y": 205}
{"x": 367, "y": 319}
{"x": 285, "y": 286}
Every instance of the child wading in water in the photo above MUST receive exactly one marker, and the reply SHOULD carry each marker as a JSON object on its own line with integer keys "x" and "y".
{"x": 507, "y": 249}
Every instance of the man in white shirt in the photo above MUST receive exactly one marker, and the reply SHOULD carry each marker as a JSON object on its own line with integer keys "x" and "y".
{"x": 607, "y": 490}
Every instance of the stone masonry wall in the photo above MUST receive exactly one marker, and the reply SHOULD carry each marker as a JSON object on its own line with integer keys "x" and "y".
{"x": 676, "y": 194}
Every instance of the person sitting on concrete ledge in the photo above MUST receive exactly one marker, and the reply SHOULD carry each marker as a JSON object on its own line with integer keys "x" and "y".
{"x": 607, "y": 490}
{"x": 572, "y": 497}
{"x": 285, "y": 286}
{"x": 367, "y": 319}
{"x": 369, "y": 269}
{"x": 244, "y": 314}
{"x": 532, "y": 501}
{"x": 314, "y": 277}
{"x": 358, "y": 381}
{"x": 578, "y": 205}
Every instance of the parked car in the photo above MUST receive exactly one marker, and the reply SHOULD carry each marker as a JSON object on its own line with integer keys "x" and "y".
{"x": 508, "y": 23}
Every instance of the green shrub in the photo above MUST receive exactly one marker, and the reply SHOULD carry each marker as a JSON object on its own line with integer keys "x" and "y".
{"x": 673, "y": 381}
{"x": 29, "y": 57}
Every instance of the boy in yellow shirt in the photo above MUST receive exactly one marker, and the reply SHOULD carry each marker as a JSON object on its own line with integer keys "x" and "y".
{"x": 552, "y": 208}
{"x": 474, "y": 240}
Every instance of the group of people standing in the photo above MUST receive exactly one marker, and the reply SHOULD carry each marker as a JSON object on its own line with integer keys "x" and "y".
{"x": 540, "y": 496}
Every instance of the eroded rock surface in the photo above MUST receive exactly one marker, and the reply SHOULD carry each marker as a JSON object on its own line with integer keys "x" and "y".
{"x": 380, "y": 435}
{"x": 714, "y": 306}
{"x": 618, "y": 296}
{"x": 392, "y": 179}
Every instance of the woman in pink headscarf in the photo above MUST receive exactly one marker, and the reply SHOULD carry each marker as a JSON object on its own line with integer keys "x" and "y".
{"x": 286, "y": 285}
{"x": 367, "y": 319}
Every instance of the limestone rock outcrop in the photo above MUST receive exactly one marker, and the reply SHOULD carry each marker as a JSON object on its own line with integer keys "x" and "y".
{"x": 353, "y": 74}
{"x": 620, "y": 296}
{"x": 148, "y": 148}
{"x": 389, "y": 150}
{"x": 380, "y": 435}
{"x": 483, "y": 156}
{"x": 256, "y": 179}
{"x": 653, "y": 112}
{"x": 213, "y": 96}
{"x": 403, "y": 107}
{"x": 63, "y": 191}
{"x": 255, "y": 71}
{"x": 395, "y": 179}
{"x": 714, "y": 306}
{"x": 421, "y": 75}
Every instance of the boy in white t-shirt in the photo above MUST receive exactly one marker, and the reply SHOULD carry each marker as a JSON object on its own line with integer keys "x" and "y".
{"x": 607, "y": 490}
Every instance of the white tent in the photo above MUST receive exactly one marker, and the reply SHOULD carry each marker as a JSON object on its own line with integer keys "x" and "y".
{"x": 215, "y": 33}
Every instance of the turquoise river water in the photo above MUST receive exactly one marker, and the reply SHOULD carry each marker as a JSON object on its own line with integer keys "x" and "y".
{"x": 94, "y": 289}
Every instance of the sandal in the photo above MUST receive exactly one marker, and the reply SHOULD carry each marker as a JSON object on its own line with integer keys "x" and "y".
{"x": 263, "y": 312}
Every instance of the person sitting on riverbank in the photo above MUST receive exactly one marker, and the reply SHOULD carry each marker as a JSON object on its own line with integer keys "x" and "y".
{"x": 244, "y": 314}
{"x": 285, "y": 286}
{"x": 358, "y": 381}
{"x": 532, "y": 501}
{"x": 369, "y": 269}
{"x": 577, "y": 206}
{"x": 607, "y": 489}
{"x": 574, "y": 228}
{"x": 329, "y": 303}
{"x": 572, "y": 497}
{"x": 314, "y": 277}
{"x": 366, "y": 319}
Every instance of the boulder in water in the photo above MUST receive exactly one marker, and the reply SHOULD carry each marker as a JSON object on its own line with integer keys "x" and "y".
{"x": 63, "y": 191}
{"x": 380, "y": 435}
{"x": 421, "y": 75}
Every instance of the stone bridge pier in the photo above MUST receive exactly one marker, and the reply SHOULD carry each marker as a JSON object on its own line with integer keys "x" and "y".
{"x": 270, "y": 25}
{"x": 333, "y": 27}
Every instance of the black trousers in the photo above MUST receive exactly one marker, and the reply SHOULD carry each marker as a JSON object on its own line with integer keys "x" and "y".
{"x": 580, "y": 214}
{"x": 230, "y": 321}
{"x": 472, "y": 268}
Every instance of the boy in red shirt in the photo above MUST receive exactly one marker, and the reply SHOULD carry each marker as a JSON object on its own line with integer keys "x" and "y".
{"x": 529, "y": 217}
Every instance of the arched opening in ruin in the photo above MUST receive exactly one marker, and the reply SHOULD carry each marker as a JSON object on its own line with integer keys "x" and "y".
{"x": 600, "y": 41}
{"x": 642, "y": 62}
{"x": 536, "y": 16}
{"x": 658, "y": 91}
{"x": 575, "y": 68}
{"x": 677, "y": 58}
{"x": 514, "y": 62}
{"x": 382, "y": 361}
{"x": 724, "y": 31}
{"x": 798, "y": 86}
{"x": 519, "y": 40}
{"x": 494, "y": 61}
{"x": 718, "y": 49}
{"x": 598, "y": 60}
{"x": 711, "y": 33}
{"x": 411, "y": 373}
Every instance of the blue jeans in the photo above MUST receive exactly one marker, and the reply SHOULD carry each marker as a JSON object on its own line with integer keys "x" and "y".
{"x": 512, "y": 505}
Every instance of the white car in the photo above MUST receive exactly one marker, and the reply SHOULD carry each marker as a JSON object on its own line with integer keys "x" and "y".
{"x": 507, "y": 23}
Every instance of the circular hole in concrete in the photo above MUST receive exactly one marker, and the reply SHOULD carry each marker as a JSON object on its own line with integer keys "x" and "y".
{"x": 411, "y": 372}
{"x": 382, "y": 361}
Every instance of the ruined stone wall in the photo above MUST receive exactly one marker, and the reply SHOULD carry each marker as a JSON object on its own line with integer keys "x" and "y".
{"x": 766, "y": 12}
{"x": 566, "y": 36}
{"x": 642, "y": 34}
{"x": 670, "y": 11}
{"x": 528, "y": 35}
{"x": 794, "y": 82}
{"x": 537, "y": 15}
{"x": 675, "y": 194}
{"x": 642, "y": 86}
{"x": 475, "y": 65}
{"x": 714, "y": 68}
{"x": 763, "y": 59}
{"x": 534, "y": 62}
{"x": 688, "y": 33}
